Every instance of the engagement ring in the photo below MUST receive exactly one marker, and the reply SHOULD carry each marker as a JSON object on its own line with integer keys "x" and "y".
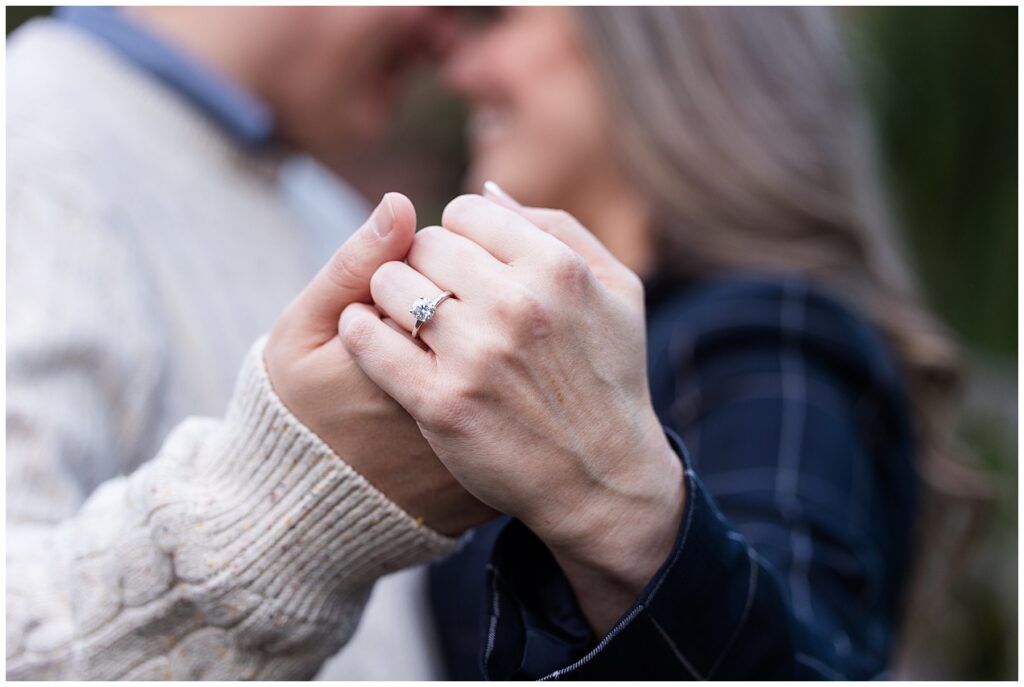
{"x": 423, "y": 309}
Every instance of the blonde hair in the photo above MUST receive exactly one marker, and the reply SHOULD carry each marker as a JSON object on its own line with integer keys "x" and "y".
{"x": 743, "y": 129}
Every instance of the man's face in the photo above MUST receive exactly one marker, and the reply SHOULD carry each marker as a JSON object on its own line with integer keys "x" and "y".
{"x": 342, "y": 67}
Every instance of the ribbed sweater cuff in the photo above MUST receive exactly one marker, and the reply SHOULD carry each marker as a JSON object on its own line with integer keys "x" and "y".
{"x": 290, "y": 515}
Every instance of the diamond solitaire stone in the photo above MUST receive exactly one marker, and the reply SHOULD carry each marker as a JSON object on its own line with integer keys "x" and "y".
{"x": 422, "y": 309}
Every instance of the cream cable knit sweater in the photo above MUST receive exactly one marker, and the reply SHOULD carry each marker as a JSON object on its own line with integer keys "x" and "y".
{"x": 140, "y": 545}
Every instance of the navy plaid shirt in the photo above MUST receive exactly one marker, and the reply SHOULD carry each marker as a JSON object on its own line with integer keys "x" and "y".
{"x": 788, "y": 413}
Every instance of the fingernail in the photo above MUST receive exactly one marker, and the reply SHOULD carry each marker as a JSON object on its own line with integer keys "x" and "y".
{"x": 383, "y": 218}
{"x": 493, "y": 189}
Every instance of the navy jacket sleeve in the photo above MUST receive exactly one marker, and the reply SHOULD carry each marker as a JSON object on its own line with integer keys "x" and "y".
{"x": 791, "y": 554}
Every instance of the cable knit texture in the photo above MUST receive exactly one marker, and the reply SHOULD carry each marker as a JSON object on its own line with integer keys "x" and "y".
{"x": 246, "y": 549}
{"x": 145, "y": 254}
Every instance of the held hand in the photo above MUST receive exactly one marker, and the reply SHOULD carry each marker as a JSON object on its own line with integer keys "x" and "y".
{"x": 533, "y": 391}
{"x": 318, "y": 381}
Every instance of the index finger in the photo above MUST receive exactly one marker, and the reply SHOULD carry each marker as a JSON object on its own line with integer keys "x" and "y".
{"x": 505, "y": 234}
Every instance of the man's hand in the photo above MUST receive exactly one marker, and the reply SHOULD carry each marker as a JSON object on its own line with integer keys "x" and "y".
{"x": 317, "y": 380}
{"x": 534, "y": 389}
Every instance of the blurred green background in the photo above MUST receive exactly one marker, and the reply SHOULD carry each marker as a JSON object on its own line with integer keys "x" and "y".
{"x": 942, "y": 84}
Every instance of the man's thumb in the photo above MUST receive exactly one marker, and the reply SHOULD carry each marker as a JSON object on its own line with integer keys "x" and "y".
{"x": 385, "y": 236}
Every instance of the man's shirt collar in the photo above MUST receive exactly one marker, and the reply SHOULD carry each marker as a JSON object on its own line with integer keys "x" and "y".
{"x": 237, "y": 110}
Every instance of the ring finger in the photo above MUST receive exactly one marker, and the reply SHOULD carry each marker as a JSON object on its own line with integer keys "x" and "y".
{"x": 395, "y": 287}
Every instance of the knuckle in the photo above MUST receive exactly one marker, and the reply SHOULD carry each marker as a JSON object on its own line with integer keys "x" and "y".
{"x": 515, "y": 303}
{"x": 491, "y": 352}
{"x": 345, "y": 270}
{"x": 635, "y": 284}
{"x": 524, "y": 316}
{"x": 357, "y": 336}
{"x": 563, "y": 218}
{"x": 385, "y": 274}
{"x": 459, "y": 206}
{"x": 568, "y": 268}
{"x": 557, "y": 222}
{"x": 426, "y": 242}
{"x": 431, "y": 233}
{"x": 449, "y": 411}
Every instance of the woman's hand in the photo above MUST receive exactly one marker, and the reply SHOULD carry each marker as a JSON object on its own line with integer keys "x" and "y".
{"x": 317, "y": 380}
{"x": 532, "y": 388}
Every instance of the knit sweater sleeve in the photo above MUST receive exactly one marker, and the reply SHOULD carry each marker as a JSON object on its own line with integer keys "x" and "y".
{"x": 244, "y": 549}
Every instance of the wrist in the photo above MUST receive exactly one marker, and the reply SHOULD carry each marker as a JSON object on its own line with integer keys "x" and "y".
{"x": 296, "y": 508}
{"x": 620, "y": 533}
{"x": 626, "y": 534}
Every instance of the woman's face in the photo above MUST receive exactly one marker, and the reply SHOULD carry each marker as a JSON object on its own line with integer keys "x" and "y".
{"x": 538, "y": 121}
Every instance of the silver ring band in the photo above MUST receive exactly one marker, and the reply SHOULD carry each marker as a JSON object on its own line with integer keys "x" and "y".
{"x": 423, "y": 310}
